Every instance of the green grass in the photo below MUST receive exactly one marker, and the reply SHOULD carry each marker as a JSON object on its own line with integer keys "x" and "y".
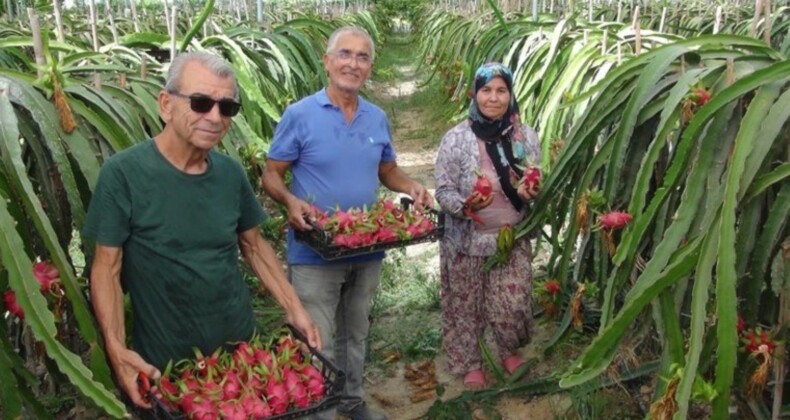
{"x": 398, "y": 62}
{"x": 399, "y": 51}
{"x": 405, "y": 314}
{"x": 407, "y": 284}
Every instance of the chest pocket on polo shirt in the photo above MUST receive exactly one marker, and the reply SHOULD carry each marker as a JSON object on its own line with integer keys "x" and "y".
{"x": 371, "y": 143}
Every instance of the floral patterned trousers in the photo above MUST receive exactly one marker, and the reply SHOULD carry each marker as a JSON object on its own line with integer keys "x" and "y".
{"x": 473, "y": 300}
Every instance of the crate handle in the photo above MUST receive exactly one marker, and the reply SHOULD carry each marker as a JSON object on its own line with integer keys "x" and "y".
{"x": 406, "y": 202}
{"x": 299, "y": 336}
{"x": 315, "y": 227}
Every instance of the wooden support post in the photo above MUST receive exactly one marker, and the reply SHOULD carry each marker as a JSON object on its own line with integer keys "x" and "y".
{"x": 737, "y": 12}
{"x": 135, "y": 21}
{"x": 58, "y": 21}
{"x": 637, "y": 32}
{"x": 94, "y": 24}
{"x": 143, "y": 68}
{"x": 113, "y": 29}
{"x": 758, "y": 8}
{"x": 173, "y": 15}
{"x": 9, "y": 7}
{"x": 168, "y": 22}
{"x": 38, "y": 46}
{"x": 767, "y": 23}
{"x": 95, "y": 38}
{"x": 717, "y": 22}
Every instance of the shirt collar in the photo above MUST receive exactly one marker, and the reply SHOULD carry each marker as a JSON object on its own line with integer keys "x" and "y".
{"x": 323, "y": 100}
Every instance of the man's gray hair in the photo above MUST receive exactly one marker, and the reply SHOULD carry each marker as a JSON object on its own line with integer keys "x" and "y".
{"x": 215, "y": 64}
{"x": 350, "y": 30}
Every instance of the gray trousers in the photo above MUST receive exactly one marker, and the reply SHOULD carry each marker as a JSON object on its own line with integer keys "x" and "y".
{"x": 338, "y": 297}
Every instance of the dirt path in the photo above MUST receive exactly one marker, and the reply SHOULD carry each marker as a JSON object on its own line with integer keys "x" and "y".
{"x": 387, "y": 387}
{"x": 413, "y": 144}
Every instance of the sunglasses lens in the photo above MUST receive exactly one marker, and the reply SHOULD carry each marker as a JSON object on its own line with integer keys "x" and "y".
{"x": 201, "y": 104}
{"x": 229, "y": 108}
{"x": 204, "y": 104}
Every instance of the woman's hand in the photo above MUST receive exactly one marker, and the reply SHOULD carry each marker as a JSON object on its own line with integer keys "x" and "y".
{"x": 476, "y": 201}
{"x": 525, "y": 193}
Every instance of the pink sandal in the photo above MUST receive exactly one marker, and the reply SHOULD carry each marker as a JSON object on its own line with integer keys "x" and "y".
{"x": 475, "y": 379}
{"x": 512, "y": 362}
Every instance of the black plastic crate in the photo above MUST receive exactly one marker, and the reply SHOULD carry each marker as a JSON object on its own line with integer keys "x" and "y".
{"x": 334, "y": 382}
{"x": 320, "y": 240}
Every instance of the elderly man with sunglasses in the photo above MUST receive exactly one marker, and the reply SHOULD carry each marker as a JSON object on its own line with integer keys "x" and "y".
{"x": 169, "y": 216}
{"x": 339, "y": 150}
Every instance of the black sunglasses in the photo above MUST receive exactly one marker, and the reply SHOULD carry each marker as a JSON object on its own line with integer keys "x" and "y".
{"x": 203, "y": 103}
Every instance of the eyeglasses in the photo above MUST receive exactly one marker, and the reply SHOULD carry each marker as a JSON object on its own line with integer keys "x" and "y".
{"x": 203, "y": 104}
{"x": 345, "y": 56}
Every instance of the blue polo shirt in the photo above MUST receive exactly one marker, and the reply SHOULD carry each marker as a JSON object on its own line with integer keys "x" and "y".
{"x": 335, "y": 164}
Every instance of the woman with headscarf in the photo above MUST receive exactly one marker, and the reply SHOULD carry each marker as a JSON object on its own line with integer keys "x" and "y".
{"x": 492, "y": 143}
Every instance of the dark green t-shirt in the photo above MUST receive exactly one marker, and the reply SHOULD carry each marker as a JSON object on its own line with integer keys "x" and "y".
{"x": 180, "y": 249}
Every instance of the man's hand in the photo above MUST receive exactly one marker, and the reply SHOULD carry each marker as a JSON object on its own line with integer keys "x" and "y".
{"x": 107, "y": 299}
{"x": 422, "y": 198}
{"x": 302, "y": 321}
{"x": 273, "y": 182}
{"x": 127, "y": 365}
{"x": 525, "y": 193}
{"x": 297, "y": 209}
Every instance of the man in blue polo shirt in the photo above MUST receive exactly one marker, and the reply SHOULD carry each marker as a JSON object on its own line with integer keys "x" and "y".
{"x": 338, "y": 147}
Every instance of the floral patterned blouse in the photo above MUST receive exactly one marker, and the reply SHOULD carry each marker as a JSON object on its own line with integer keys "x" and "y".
{"x": 457, "y": 160}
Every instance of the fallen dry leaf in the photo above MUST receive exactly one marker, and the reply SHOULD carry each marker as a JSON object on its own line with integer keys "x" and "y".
{"x": 422, "y": 378}
{"x": 422, "y": 396}
{"x": 384, "y": 400}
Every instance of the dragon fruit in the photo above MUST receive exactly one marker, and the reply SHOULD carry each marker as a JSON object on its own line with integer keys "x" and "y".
{"x": 46, "y": 274}
{"x": 232, "y": 410}
{"x": 277, "y": 395}
{"x": 531, "y": 178}
{"x": 615, "y": 220}
{"x": 201, "y": 408}
{"x": 296, "y": 390}
{"x": 231, "y": 386}
{"x": 255, "y": 380}
{"x": 9, "y": 299}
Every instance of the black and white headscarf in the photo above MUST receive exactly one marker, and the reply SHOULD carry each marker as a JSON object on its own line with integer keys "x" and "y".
{"x": 498, "y": 134}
